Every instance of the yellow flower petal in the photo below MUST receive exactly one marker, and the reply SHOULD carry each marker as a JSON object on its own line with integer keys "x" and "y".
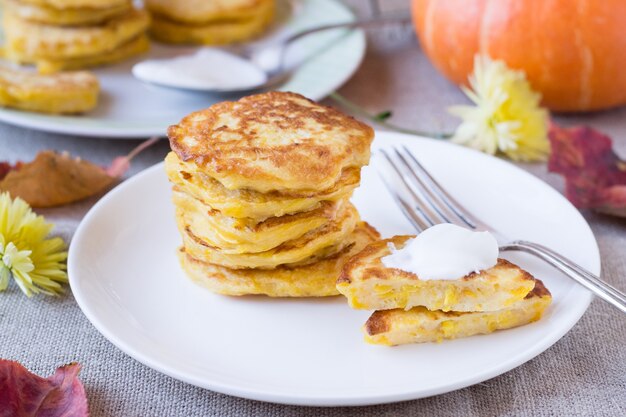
{"x": 36, "y": 263}
{"x": 507, "y": 117}
{"x": 5, "y": 274}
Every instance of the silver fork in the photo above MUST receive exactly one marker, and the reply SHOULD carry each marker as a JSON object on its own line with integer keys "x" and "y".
{"x": 427, "y": 203}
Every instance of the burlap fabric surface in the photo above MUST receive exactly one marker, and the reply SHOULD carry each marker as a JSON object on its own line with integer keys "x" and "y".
{"x": 584, "y": 374}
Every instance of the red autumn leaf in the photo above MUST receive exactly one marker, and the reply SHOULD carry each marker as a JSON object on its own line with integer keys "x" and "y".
{"x": 24, "y": 394}
{"x": 595, "y": 176}
{"x": 55, "y": 179}
{"x": 5, "y": 168}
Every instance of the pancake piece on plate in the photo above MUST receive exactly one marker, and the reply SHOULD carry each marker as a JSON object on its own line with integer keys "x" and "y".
{"x": 312, "y": 280}
{"x": 71, "y": 92}
{"x": 369, "y": 285}
{"x": 76, "y": 16}
{"x": 418, "y": 325}
{"x": 251, "y": 220}
{"x": 246, "y": 203}
{"x": 414, "y": 310}
{"x": 272, "y": 142}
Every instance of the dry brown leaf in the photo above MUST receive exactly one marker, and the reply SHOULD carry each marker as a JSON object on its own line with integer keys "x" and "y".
{"x": 55, "y": 179}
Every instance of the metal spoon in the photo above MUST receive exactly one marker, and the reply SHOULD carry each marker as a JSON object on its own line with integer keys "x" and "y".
{"x": 270, "y": 59}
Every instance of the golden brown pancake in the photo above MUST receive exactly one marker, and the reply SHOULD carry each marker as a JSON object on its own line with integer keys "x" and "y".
{"x": 313, "y": 280}
{"x": 71, "y": 92}
{"x": 246, "y": 235}
{"x": 417, "y": 325}
{"x": 369, "y": 285}
{"x": 34, "y": 41}
{"x": 203, "y": 11}
{"x": 73, "y": 4}
{"x": 314, "y": 245}
{"x": 272, "y": 141}
{"x": 252, "y": 204}
{"x": 212, "y": 33}
{"x": 70, "y": 16}
{"x": 132, "y": 48}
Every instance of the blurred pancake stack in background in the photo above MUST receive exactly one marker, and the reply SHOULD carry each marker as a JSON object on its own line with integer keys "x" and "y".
{"x": 207, "y": 22}
{"x": 261, "y": 190}
{"x": 58, "y": 35}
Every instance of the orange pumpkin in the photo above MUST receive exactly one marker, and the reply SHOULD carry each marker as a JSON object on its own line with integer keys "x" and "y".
{"x": 572, "y": 51}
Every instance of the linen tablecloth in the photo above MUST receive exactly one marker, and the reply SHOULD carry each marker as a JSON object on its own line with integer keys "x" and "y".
{"x": 584, "y": 374}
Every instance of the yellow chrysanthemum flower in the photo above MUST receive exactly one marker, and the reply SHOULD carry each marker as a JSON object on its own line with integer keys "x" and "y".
{"x": 507, "y": 116}
{"x": 37, "y": 264}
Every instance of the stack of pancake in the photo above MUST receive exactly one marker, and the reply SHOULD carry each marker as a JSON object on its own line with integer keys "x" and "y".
{"x": 411, "y": 310}
{"x": 261, "y": 190}
{"x": 71, "y": 34}
{"x": 209, "y": 22}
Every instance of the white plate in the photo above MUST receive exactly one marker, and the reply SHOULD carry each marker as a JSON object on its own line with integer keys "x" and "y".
{"x": 129, "y": 108}
{"x": 125, "y": 276}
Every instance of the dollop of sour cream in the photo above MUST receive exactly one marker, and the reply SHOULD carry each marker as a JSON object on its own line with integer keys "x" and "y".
{"x": 445, "y": 252}
{"x": 207, "y": 69}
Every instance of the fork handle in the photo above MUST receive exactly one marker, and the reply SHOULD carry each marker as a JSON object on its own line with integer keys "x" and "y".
{"x": 365, "y": 23}
{"x": 585, "y": 278}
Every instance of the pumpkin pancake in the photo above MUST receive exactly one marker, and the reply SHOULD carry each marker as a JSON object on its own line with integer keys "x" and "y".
{"x": 69, "y": 16}
{"x": 202, "y": 11}
{"x": 417, "y": 325}
{"x": 310, "y": 247}
{"x": 369, "y": 285}
{"x": 252, "y": 204}
{"x": 71, "y": 92}
{"x": 313, "y": 280}
{"x": 31, "y": 41}
{"x": 212, "y": 33}
{"x": 73, "y": 4}
{"x": 132, "y": 48}
{"x": 245, "y": 235}
{"x": 273, "y": 141}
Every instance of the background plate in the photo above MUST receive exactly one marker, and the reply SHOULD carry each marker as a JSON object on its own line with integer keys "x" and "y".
{"x": 125, "y": 277}
{"x": 129, "y": 108}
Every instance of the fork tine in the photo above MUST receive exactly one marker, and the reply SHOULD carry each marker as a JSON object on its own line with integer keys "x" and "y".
{"x": 432, "y": 185}
{"x": 431, "y": 216}
{"x": 413, "y": 214}
{"x": 441, "y": 212}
